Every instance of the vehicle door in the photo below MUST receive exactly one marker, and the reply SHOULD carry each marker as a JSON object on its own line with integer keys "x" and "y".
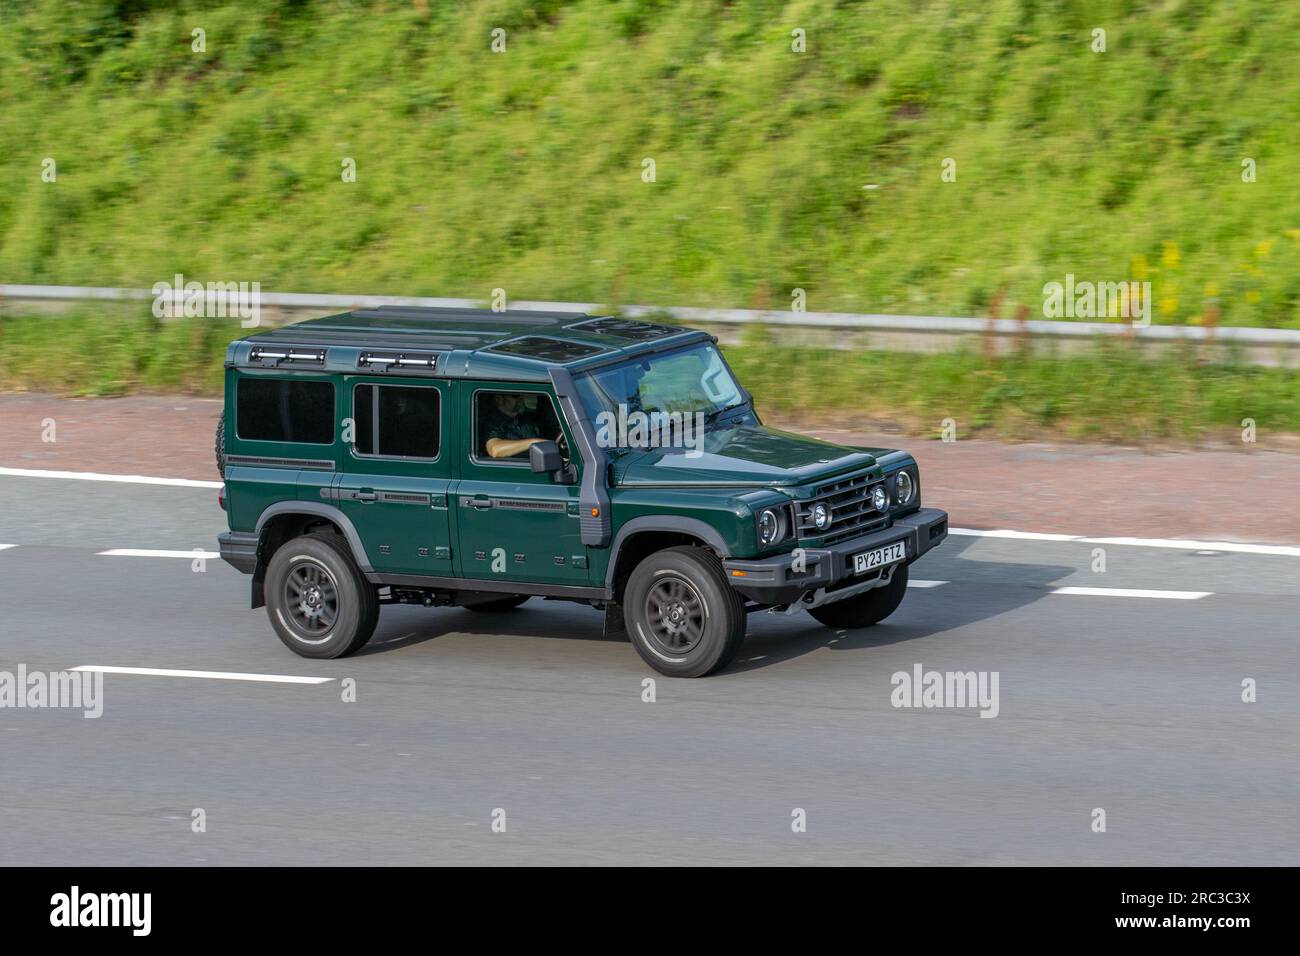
{"x": 397, "y": 452}
{"x": 513, "y": 523}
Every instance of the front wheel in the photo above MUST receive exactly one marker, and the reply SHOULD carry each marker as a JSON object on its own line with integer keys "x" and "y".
{"x": 319, "y": 603}
{"x": 867, "y": 608}
{"x": 682, "y": 616}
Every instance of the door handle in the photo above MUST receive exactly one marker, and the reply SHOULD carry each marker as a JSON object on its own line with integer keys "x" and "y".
{"x": 363, "y": 494}
{"x": 479, "y": 502}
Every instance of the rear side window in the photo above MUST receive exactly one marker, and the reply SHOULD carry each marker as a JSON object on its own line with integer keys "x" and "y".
{"x": 278, "y": 409}
{"x": 396, "y": 421}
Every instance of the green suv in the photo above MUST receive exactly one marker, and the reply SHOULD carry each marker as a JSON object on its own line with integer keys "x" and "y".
{"x": 478, "y": 459}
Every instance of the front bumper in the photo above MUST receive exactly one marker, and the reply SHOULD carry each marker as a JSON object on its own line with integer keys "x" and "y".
{"x": 239, "y": 550}
{"x": 774, "y": 580}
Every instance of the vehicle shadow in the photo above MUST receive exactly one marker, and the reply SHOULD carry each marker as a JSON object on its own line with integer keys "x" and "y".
{"x": 772, "y": 639}
{"x": 925, "y": 612}
{"x": 407, "y": 625}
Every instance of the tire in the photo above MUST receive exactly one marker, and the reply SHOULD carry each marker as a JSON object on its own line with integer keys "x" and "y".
{"x": 220, "y": 445}
{"x": 499, "y": 607}
{"x": 867, "y": 608}
{"x": 310, "y": 629}
{"x": 689, "y": 582}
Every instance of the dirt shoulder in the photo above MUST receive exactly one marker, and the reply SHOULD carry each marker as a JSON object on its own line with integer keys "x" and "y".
{"x": 1248, "y": 493}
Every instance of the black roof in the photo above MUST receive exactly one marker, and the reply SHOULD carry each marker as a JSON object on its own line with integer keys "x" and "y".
{"x": 469, "y": 343}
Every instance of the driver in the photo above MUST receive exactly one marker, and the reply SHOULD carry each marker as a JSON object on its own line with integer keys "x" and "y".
{"x": 510, "y": 424}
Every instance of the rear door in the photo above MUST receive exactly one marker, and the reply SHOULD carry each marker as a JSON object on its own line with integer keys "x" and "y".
{"x": 396, "y": 472}
{"x": 512, "y": 523}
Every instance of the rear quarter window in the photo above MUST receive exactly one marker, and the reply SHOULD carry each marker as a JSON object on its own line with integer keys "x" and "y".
{"x": 287, "y": 410}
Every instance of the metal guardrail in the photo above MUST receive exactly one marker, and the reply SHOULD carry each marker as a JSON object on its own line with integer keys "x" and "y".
{"x": 909, "y": 325}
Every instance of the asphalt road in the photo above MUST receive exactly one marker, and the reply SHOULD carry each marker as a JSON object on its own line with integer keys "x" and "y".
{"x": 1127, "y": 703}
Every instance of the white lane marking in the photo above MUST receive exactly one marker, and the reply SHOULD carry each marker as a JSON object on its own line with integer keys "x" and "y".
{"x": 96, "y": 476}
{"x": 1194, "y": 545}
{"x": 926, "y": 584}
{"x": 1135, "y": 593}
{"x": 6, "y": 547}
{"x": 1182, "y": 544}
{"x": 152, "y": 553}
{"x": 208, "y": 675}
{"x": 1290, "y": 551}
{"x": 1020, "y": 535}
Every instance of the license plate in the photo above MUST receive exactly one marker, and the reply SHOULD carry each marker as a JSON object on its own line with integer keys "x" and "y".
{"x": 879, "y": 558}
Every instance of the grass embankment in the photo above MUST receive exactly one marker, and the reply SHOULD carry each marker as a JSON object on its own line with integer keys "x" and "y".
{"x": 1111, "y": 393}
{"x": 775, "y": 170}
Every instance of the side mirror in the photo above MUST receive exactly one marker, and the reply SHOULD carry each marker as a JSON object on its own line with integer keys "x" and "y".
{"x": 544, "y": 457}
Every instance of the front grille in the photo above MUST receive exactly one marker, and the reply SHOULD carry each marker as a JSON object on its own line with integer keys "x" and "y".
{"x": 852, "y": 513}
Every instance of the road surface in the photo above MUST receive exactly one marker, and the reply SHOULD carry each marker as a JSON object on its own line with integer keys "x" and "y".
{"x": 1128, "y": 700}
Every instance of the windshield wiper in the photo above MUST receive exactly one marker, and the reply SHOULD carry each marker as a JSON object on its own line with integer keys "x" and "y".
{"x": 713, "y": 416}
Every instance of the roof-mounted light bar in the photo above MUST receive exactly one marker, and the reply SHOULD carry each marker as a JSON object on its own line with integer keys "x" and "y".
{"x": 420, "y": 360}
{"x": 312, "y": 356}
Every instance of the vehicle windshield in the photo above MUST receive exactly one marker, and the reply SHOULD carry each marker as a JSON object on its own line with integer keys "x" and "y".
{"x": 692, "y": 380}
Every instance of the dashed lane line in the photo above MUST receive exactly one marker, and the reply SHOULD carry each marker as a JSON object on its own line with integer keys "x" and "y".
{"x": 1134, "y": 593}
{"x": 97, "y": 476}
{"x": 206, "y": 675}
{"x": 156, "y": 553}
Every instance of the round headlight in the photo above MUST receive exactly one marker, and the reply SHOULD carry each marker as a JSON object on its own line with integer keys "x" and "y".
{"x": 880, "y": 498}
{"x": 768, "y": 527}
{"x": 905, "y": 486}
{"x": 821, "y": 516}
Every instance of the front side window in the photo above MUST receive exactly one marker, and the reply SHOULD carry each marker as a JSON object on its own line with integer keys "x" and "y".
{"x": 289, "y": 410}
{"x": 396, "y": 421}
{"x": 507, "y": 423}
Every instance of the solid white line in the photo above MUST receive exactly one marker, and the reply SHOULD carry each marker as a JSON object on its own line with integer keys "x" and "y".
{"x": 1193, "y": 545}
{"x": 150, "y": 553}
{"x": 1020, "y": 535}
{"x": 1182, "y": 544}
{"x": 209, "y": 675}
{"x": 1134, "y": 592}
{"x": 926, "y": 584}
{"x": 1290, "y": 551}
{"x": 96, "y": 476}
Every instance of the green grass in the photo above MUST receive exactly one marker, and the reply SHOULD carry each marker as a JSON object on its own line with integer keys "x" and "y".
{"x": 775, "y": 170}
{"x": 1109, "y": 394}
{"x": 113, "y": 351}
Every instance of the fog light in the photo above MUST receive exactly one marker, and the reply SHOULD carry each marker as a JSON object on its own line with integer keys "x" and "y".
{"x": 821, "y": 516}
{"x": 880, "y": 497}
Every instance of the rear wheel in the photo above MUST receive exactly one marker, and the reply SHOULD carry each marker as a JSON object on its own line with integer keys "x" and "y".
{"x": 867, "y": 608}
{"x": 682, "y": 616}
{"x": 319, "y": 603}
{"x": 499, "y": 606}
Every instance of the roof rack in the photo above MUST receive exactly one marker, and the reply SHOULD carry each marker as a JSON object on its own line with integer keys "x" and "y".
{"x": 485, "y": 316}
